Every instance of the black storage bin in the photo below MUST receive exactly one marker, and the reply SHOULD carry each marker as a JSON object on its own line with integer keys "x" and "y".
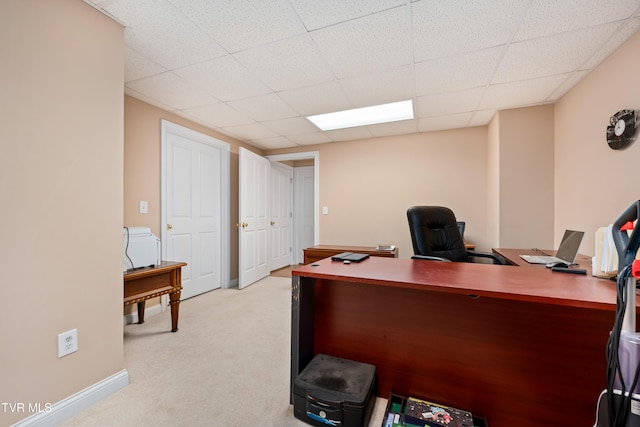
{"x": 331, "y": 391}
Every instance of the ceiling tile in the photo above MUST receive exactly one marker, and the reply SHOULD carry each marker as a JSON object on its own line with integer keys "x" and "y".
{"x": 520, "y": 94}
{"x": 291, "y": 126}
{"x": 380, "y": 88}
{"x": 626, "y": 30}
{"x": 546, "y": 17}
{"x": 318, "y": 99}
{"x": 286, "y": 64}
{"x": 310, "y": 138}
{"x": 272, "y": 143}
{"x": 379, "y": 42}
{"x": 137, "y": 66}
{"x": 251, "y": 131}
{"x": 263, "y": 21}
{"x": 569, "y": 82}
{"x": 219, "y": 115}
{"x": 394, "y": 128}
{"x": 530, "y": 59}
{"x": 448, "y": 103}
{"x": 451, "y": 27}
{"x": 225, "y": 77}
{"x": 144, "y": 98}
{"x": 255, "y": 69}
{"x": 263, "y": 108}
{"x": 482, "y": 117}
{"x": 454, "y": 121}
{"x": 361, "y": 132}
{"x": 457, "y": 72}
{"x": 323, "y": 13}
{"x": 158, "y": 31}
{"x": 170, "y": 89}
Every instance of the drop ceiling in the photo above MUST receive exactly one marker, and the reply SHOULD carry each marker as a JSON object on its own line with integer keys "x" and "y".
{"x": 254, "y": 69}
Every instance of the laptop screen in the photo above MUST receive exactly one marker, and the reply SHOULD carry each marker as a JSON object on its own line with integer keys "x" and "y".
{"x": 569, "y": 245}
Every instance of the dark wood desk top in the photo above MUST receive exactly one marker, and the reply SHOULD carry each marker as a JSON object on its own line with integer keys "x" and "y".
{"x": 513, "y": 256}
{"x": 539, "y": 285}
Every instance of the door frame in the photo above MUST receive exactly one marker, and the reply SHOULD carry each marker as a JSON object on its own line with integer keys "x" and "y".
{"x": 225, "y": 176}
{"x": 315, "y": 155}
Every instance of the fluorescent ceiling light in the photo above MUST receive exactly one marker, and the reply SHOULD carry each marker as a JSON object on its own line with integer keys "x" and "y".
{"x": 384, "y": 113}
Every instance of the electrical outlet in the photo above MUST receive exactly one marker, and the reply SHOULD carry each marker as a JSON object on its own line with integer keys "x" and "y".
{"x": 67, "y": 343}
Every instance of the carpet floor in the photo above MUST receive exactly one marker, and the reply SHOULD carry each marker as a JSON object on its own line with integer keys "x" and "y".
{"x": 228, "y": 365}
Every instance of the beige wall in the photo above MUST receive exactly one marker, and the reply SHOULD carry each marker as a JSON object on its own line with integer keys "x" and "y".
{"x": 369, "y": 184}
{"x": 142, "y": 167}
{"x": 493, "y": 181}
{"x": 593, "y": 183}
{"x": 525, "y": 182}
{"x": 61, "y": 170}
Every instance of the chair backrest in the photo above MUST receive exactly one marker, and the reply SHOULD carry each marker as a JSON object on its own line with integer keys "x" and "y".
{"x": 434, "y": 232}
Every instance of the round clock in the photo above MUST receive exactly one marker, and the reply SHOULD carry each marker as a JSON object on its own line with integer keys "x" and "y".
{"x": 621, "y": 131}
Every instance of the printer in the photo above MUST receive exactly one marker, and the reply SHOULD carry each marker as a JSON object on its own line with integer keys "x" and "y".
{"x": 141, "y": 248}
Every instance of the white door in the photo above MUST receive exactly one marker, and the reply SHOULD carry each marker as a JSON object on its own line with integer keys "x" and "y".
{"x": 193, "y": 210}
{"x": 304, "y": 210}
{"x": 281, "y": 216}
{"x": 253, "y": 218}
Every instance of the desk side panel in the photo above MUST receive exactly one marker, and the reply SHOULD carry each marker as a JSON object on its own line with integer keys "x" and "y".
{"x": 302, "y": 326}
{"x": 520, "y": 363}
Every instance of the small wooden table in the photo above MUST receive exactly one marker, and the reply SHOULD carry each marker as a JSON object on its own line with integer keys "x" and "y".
{"x": 150, "y": 282}
{"x": 316, "y": 253}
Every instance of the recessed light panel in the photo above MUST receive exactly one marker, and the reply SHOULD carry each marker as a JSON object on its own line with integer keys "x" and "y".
{"x": 384, "y": 113}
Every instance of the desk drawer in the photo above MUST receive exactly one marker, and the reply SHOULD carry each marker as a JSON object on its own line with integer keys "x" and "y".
{"x": 146, "y": 284}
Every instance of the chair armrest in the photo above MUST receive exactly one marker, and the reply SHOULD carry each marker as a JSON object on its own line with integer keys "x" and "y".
{"x": 430, "y": 258}
{"x": 496, "y": 258}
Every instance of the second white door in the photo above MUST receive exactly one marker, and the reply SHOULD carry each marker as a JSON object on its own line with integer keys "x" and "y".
{"x": 281, "y": 222}
{"x": 253, "y": 229}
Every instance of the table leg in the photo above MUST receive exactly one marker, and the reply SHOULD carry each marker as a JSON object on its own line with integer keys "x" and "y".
{"x": 174, "y": 302}
{"x": 141, "y": 312}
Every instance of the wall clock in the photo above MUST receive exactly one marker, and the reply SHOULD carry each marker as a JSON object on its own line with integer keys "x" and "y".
{"x": 622, "y": 129}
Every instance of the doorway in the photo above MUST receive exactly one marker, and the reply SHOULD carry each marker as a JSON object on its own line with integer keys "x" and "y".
{"x": 305, "y": 200}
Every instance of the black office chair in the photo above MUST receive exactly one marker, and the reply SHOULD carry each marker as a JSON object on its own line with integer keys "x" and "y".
{"x": 436, "y": 235}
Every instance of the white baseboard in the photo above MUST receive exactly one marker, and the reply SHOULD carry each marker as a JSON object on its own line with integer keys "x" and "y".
{"x": 77, "y": 403}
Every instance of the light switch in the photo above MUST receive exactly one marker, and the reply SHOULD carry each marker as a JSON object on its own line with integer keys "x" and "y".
{"x": 144, "y": 207}
{"x": 325, "y": 210}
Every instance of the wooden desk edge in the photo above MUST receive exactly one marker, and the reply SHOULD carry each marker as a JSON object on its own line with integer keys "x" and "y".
{"x": 409, "y": 282}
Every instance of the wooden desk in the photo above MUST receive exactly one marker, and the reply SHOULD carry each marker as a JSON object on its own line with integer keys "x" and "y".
{"x": 319, "y": 252}
{"x": 524, "y": 347}
{"x": 141, "y": 285}
{"x": 512, "y": 256}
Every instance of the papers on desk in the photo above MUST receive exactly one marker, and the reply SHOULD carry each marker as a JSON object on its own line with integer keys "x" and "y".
{"x": 605, "y": 263}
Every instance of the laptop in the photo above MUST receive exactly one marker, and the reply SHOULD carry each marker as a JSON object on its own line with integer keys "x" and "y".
{"x": 349, "y": 256}
{"x": 567, "y": 251}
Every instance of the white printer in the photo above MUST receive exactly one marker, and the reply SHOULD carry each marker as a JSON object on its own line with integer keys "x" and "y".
{"x": 141, "y": 248}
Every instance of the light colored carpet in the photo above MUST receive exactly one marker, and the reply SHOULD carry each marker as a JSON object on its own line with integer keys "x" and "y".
{"x": 228, "y": 365}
